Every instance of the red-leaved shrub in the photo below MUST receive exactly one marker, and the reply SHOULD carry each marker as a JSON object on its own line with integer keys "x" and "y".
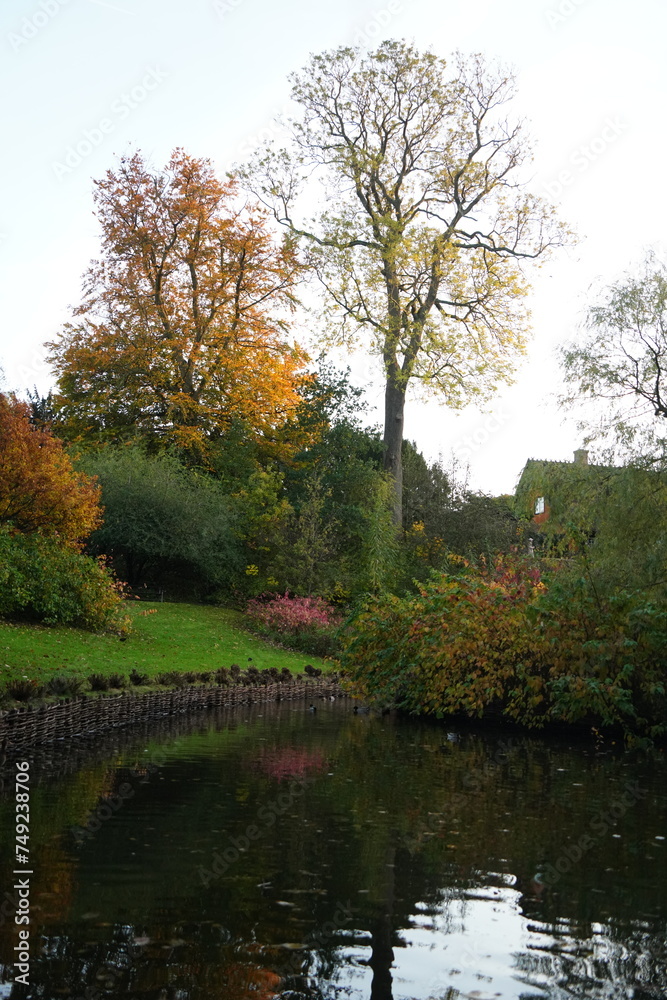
{"x": 308, "y": 624}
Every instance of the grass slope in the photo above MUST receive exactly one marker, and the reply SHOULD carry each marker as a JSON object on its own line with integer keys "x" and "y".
{"x": 164, "y": 637}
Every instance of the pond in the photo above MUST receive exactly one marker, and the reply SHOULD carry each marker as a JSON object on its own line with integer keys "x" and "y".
{"x": 276, "y": 851}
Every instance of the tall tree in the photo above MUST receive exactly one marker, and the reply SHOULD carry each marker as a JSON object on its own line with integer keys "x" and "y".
{"x": 182, "y": 326}
{"x": 424, "y": 225}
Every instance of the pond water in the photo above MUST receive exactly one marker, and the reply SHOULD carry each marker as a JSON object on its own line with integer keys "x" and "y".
{"x": 274, "y": 851}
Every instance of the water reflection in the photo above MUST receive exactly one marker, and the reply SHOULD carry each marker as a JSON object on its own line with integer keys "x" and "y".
{"x": 277, "y": 852}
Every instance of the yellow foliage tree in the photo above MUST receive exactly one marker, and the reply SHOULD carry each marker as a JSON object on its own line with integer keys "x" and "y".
{"x": 183, "y": 324}
{"x": 424, "y": 224}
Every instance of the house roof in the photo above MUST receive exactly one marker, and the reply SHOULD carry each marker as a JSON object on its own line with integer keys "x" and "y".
{"x": 554, "y": 479}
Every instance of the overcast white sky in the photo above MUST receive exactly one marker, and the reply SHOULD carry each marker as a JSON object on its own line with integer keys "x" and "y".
{"x": 209, "y": 75}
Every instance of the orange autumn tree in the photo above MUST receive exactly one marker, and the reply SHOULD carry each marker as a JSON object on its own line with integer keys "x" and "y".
{"x": 182, "y": 327}
{"x": 39, "y": 489}
{"x": 47, "y": 511}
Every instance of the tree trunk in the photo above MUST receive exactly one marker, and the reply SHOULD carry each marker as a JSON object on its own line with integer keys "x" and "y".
{"x": 382, "y": 953}
{"x": 394, "y": 406}
{"x": 382, "y": 959}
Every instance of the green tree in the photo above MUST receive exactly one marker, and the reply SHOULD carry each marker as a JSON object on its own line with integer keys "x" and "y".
{"x": 425, "y": 224}
{"x": 330, "y": 487}
{"x": 379, "y": 554}
{"x": 159, "y": 516}
{"x": 308, "y": 549}
{"x": 622, "y": 362}
{"x": 617, "y": 520}
{"x": 476, "y": 523}
{"x": 426, "y": 490}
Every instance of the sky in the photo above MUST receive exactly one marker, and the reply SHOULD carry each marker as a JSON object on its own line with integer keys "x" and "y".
{"x": 85, "y": 81}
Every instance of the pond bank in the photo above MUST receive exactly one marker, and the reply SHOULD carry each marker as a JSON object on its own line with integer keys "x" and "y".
{"x": 85, "y": 717}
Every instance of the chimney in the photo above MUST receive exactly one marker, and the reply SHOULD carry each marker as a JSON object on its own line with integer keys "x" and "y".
{"x": 581, "y": 457}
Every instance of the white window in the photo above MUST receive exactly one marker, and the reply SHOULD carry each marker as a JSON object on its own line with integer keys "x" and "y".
{"x": 539, "y": 505}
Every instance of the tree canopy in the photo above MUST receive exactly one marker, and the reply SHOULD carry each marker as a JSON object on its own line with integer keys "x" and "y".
{"x": 623, "y": 359}
{"x": 182, "y": 325}
{"x": 424, "y": 223}
{"x": 159, "y": 515}
{"x": 39, "y": 489}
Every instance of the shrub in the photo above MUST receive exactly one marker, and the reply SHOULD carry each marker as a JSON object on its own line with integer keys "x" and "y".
{"x": 98, "y": 682}
{"x": 159, "y": 516}
{"x": 64, "y": 684}
{"x": 117, "y": 681}
{"x": 138, "y": 678}
{"x": 605, "y": 653}
{"x": 495, "y": 639}
{"x": 42, "y": 580}
{"x": 171, "y": 678}
{"x": 307, "y": 624}
{"x": 24, "y": 690}
{"x": 39, "y": 489}
{"x": 461, "y": 645}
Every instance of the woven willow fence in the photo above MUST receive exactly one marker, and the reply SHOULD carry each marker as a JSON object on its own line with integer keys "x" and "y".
{"x": 85, "y": 717}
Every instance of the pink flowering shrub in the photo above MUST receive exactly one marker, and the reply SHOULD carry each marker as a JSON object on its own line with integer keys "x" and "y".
{"x": 308, "y": 624}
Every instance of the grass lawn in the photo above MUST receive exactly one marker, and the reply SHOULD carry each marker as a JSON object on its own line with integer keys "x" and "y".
{"x": 164, "y": 637}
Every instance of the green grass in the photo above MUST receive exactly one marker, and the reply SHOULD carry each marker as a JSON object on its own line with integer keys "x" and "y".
{"x": 169, "y": 637}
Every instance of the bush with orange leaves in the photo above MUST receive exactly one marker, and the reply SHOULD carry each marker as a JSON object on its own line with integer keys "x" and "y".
{"x": 47, "y": 510}
{"x": 39, "y": 488}
{"x": 513, "y": 638}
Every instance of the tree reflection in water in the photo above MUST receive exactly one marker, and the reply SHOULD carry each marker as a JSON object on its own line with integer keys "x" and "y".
{"x": 409, "y": 866}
